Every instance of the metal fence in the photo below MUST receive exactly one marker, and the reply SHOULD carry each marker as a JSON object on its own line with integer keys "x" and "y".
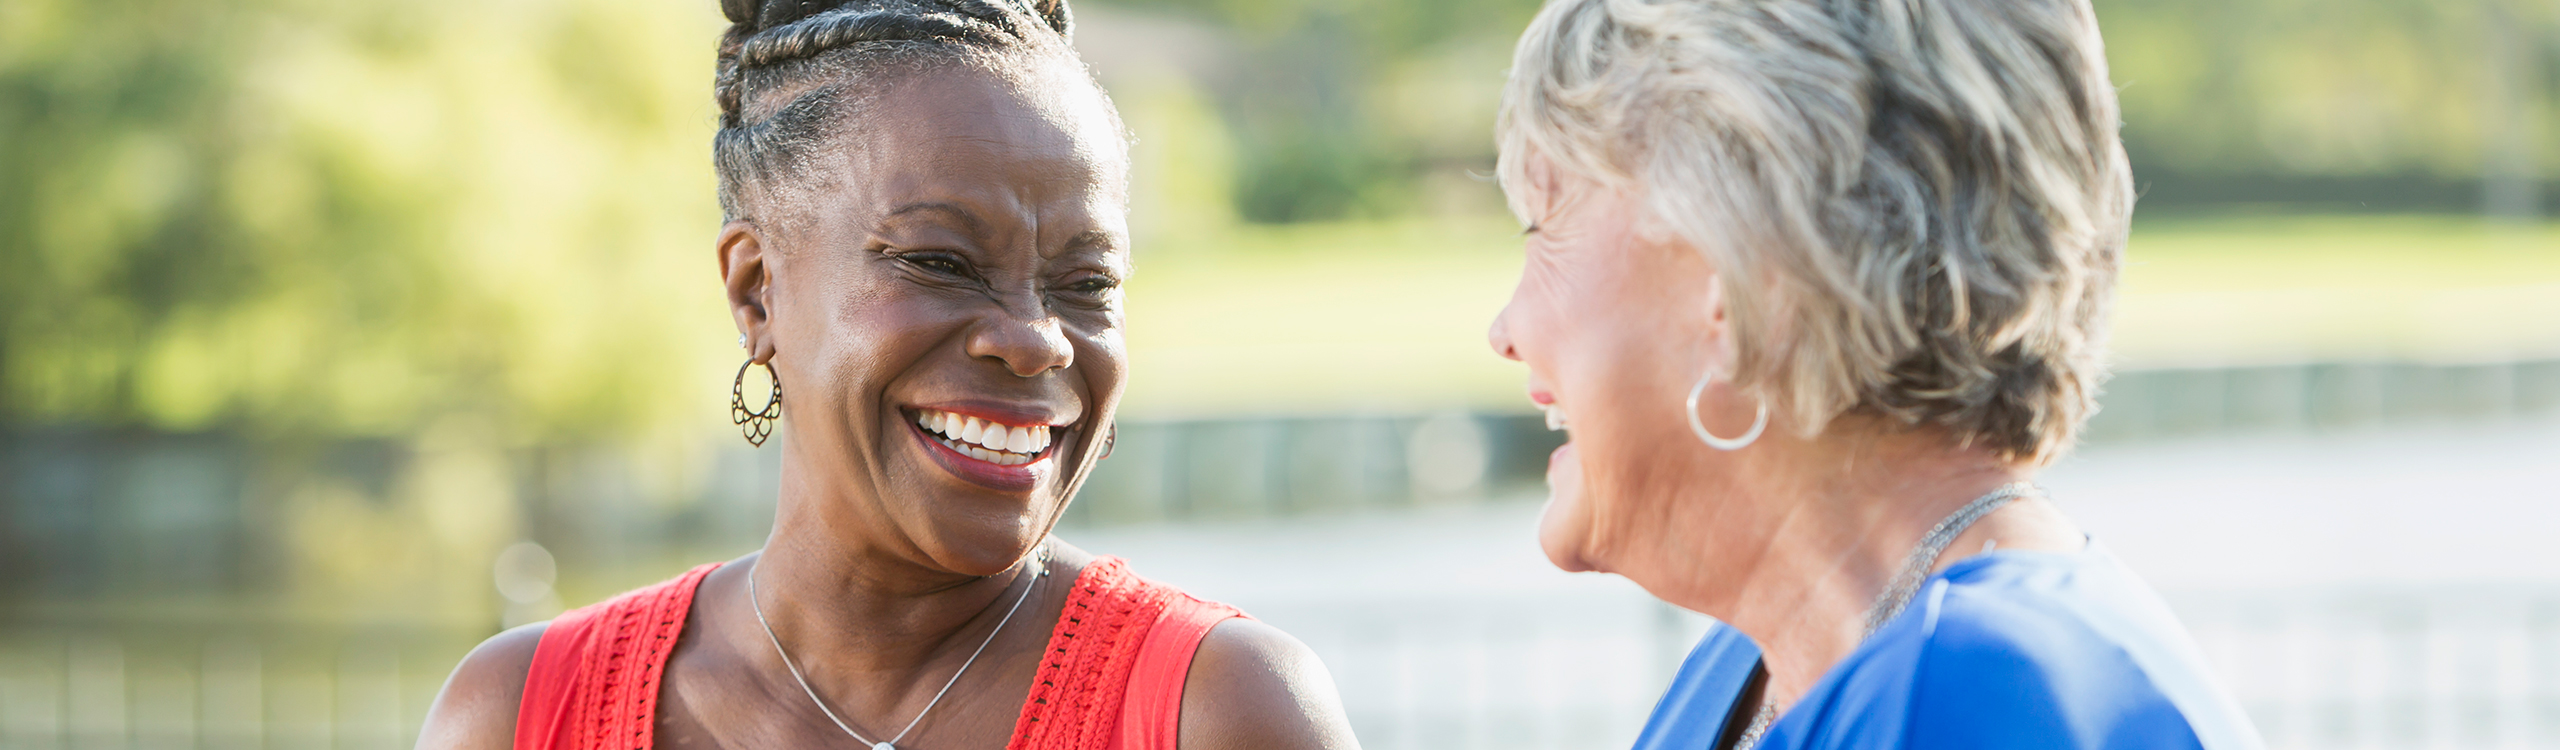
{"x": 2410, "y": 668}
{"x": 2404, "y": 667}
{"x": 85, "y": 511}
{"x": 67, "y": 686}
{"x": 139, "y": 516}
{"x": 2175, "y": 402}
{"x": 2477, "y": 669}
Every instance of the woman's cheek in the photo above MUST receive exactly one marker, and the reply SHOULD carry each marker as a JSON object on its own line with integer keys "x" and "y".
{"x": 1565, "y": 526}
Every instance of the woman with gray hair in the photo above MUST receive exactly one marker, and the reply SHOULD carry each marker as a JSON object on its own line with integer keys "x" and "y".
{"x": 1823, "y": 283}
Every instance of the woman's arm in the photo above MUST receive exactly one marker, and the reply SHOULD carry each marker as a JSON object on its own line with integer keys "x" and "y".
{"x": 1253, "y": 687}
{"x": 477, "y": 709}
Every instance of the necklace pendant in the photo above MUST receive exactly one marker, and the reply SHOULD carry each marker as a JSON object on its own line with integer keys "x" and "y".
{"x": 883, "y": 746}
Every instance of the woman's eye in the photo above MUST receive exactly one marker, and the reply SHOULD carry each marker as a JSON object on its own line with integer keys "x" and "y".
{"x": 938, "y": 264}
{"x": 1094, "y": 285}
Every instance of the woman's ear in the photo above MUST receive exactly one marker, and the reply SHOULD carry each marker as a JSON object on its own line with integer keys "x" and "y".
{"x": 749, "y": 278}
{"x": 1719, "y": 323}
{"x": 1715, "y": 301}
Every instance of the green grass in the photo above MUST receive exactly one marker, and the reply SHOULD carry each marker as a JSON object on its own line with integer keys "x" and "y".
{"x": 1391, "y": 316}
{"x": 2261, "y": 289}
{"x": 1331, "y": 318}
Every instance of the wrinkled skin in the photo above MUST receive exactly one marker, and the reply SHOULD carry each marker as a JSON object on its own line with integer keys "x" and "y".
{"x": 1616, "y": 321}
{"x": 1788, "y": 539}
{"x": 970, "y": 262}
{"x": 960, "y": 251}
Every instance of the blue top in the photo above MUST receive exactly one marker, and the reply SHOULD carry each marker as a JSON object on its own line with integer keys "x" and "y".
{"x": 2012, "y": 649}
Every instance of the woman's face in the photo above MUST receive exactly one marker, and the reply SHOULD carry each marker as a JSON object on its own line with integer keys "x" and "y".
{"x": 940, "y": 298}
{"x": 1615, "y": 321}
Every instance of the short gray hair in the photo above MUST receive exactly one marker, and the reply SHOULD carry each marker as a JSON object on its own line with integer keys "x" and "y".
{"x": 1917, "y": 208}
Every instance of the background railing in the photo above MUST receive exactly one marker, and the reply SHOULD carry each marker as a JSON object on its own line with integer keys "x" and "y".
{"x": 2373, "y": 668}
{"x": 71, "y": 685}
{"x": 2403, "y": 667}
{"x": 150, "y": 605}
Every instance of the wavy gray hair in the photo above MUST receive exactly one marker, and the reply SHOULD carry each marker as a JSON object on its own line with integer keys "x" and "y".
{"x": 1917, "y": 207}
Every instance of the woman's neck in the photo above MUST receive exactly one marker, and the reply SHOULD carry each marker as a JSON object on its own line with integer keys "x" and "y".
{"x": 1824, "y": 526}
{"x": 876, "y": 626}
{"x": 833, "y": 591}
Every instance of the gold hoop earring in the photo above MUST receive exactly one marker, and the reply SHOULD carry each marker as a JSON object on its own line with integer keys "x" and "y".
{"x": 754, "y": 425}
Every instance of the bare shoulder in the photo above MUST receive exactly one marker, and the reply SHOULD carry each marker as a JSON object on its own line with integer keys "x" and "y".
{"x": 1253, "y": 687}
{"x": 477, "y": 708}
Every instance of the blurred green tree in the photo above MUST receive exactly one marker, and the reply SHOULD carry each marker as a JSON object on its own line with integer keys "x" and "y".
{"x": 297, "y": 217}
{"x": 1345, "y": 108}
{"x": 2391, "y": 104}
{"x": 302, "y": 217}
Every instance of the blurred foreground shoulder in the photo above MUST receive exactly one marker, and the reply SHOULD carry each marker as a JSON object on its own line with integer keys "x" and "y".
{"x": 1254, "y": 687}
{"x": 477, "y": 708}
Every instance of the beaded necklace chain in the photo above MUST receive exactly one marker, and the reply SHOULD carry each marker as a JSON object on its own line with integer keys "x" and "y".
{"x": 1906, "y": 583}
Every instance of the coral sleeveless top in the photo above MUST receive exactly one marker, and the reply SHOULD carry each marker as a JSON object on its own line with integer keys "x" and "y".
{"x": 1112, "y": 679}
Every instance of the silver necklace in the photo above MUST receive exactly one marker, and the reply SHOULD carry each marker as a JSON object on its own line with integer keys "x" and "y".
{"x": 757, "y": 604}
{"x": 1760, "y": 721}
{"x": 1915, "y": 567}
{"x": 1906, "y": 583}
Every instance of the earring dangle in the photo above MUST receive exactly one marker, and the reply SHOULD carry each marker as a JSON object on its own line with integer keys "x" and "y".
{"x": 754, "y": 425}
{"x": 1758, "y": 423}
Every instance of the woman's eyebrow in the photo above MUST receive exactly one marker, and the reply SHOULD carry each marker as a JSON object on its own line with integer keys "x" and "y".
{"x": 956, "y": 212}
{"x": 1093, "y": 240}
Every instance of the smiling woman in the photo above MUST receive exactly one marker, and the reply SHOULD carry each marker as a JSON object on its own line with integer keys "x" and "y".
{"x": 925, "y": 237}
{"x": 1817, "y": 288}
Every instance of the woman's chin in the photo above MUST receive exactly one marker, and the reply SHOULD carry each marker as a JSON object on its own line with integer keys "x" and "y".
{"x": 1560, "y": 549}
{"x": 1566, "y": 522}
{"x": 981, "y": 551}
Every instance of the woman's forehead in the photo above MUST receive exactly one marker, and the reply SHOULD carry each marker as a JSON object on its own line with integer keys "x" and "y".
{"x": 976, "y": 152}
{"x": 972, "y": 132}
{"x": 1027, "y": 119}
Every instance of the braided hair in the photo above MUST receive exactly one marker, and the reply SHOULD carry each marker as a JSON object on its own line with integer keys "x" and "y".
{"x": 790, "y": 71}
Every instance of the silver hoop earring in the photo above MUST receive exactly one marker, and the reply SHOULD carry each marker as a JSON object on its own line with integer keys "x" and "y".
{"x": 1758, "y": 423}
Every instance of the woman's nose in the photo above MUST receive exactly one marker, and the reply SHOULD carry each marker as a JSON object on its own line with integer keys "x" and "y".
{"x": 1500, "y": 336}
{"x": 1026, "y": 347}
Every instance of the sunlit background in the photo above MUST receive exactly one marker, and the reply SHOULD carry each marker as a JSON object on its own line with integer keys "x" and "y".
{"x": 336, "y": 335}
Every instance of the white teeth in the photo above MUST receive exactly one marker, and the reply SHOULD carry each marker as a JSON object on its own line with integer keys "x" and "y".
{"x": 984, "y": 440}
{"x": 1555, "y": 416}
{"x": 994, "y": 457}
